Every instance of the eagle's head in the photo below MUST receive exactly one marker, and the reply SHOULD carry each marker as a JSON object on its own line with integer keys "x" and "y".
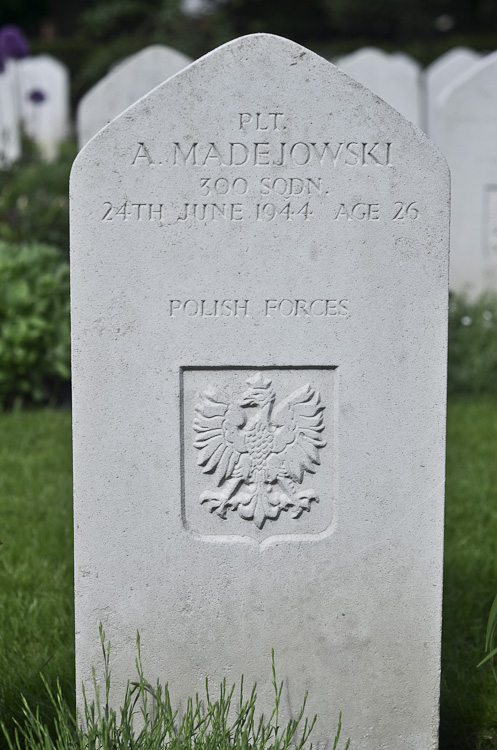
{"x": 259, "y": 392}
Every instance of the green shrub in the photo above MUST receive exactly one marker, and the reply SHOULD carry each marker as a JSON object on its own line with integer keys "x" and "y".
{"x": 34, "y": 323}
{"x": 34, "y": 198}
{"x": 473, "y": 344}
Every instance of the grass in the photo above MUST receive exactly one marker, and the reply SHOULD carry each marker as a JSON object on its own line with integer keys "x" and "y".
{"x": 36, "y": 602}
{"x": 36, "y": 568}
{"x": 469, "y": 696}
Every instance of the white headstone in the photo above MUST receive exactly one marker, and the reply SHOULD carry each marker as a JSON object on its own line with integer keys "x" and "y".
{"x": 395, "y": 78}
{"x": 124, "y": 85}
{"x": 44, "y": 87}
{"x": 468, "y": 130}
{"x": 263, "y": 239}
{"x": 436, "y": 77}
{"x": 10, "y": 135}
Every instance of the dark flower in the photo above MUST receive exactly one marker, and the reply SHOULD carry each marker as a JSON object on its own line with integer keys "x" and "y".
{"x": 37, "y": 96}
{"x": 13, "y": 43}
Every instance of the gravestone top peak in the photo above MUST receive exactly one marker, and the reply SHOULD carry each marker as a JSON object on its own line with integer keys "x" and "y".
{"x": 464, "y": 80}
{"x": 447, "y": 59}
{"x": 468, "y": 118}
{"x": 124, "y": 84}
{"x": 152, "y": 49}
{"x": 393, "y": 77}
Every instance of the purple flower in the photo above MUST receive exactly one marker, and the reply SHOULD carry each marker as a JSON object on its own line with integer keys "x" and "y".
{"x": 2, "y": 60}
{"x": 37, "y": 96}
{"x": 13, "y": 43}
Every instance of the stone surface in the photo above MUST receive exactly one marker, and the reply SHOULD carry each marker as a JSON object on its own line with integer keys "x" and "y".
{"x": 124, "y": 85}
{"x": 468, "y": 121}
{"x": 44, "y": 86}
{"x": 263, "y": 239}
{"x": 441, "y": 73}
{"x": 395, "y": 78}
{"x": 10, "y": 135}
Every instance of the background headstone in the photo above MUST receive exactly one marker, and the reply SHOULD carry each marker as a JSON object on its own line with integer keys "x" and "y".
{"x": 261, "y": 230}
{"x": 436, "y": 77}
{"x": 10, "y": 134}
{"x": 44, "y": 96}
{"x": 124, "y": 85}
{"x": 393, "y": 77}
{"x": 468, "y": 126}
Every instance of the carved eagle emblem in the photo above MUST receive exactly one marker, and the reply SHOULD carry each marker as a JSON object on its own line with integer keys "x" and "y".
{"x": 257, "y": 452}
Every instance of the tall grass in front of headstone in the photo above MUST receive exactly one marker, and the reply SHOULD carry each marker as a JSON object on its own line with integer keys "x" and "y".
{"x": 147, "y": 719}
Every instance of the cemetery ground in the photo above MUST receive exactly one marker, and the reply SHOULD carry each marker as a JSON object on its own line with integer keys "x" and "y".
{"x": 36, "y": 569}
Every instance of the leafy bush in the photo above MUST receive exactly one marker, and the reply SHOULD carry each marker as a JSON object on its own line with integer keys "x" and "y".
{"x": 34, "y": 198}
{"x": 34, "y": 323}
{"x": 473, "y": 344}
{"x": 203, "y": 725}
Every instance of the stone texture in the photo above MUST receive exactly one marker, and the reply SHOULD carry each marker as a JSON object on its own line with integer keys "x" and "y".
{"x": 124, "y": 85}
{"x": 441, "y": 73}
{"x": 262, "y": 217}
{"x": 395, "y": 78}
{"x": 44, "y": 86}
{"x": 469, "y": 118}
{"x": 10, "y": 136}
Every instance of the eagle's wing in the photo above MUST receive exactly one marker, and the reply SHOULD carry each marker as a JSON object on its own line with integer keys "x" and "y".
{"x": 220, "y": 440}
{"x": 299, "y": 422}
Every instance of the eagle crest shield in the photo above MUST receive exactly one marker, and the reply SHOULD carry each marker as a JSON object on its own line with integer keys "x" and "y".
{"x": 259, "y": 452}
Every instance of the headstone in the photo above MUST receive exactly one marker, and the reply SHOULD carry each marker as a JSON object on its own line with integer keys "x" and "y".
{"x": 44, "y": 88}
{"x": 469, "y": 122}
{"x": 124, "y": 85}
{"x": 436, "y": 77}
{"x": 259, "y": 306}
{"x": 395, "y": 78}
{"x": 10, "y": 136}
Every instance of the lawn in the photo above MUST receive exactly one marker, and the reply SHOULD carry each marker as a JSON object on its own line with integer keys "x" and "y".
{"x": 36, "y": 600}
{"x": 469, "y": 696}
{"x": 36, "y": 565}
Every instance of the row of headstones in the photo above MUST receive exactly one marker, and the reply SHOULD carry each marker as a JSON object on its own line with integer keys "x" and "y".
{"x": 454, "y": 101}
{"x": 34, "y": 92}
{"x": 34, "y": 96}
{"x": 400, "y": 81}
